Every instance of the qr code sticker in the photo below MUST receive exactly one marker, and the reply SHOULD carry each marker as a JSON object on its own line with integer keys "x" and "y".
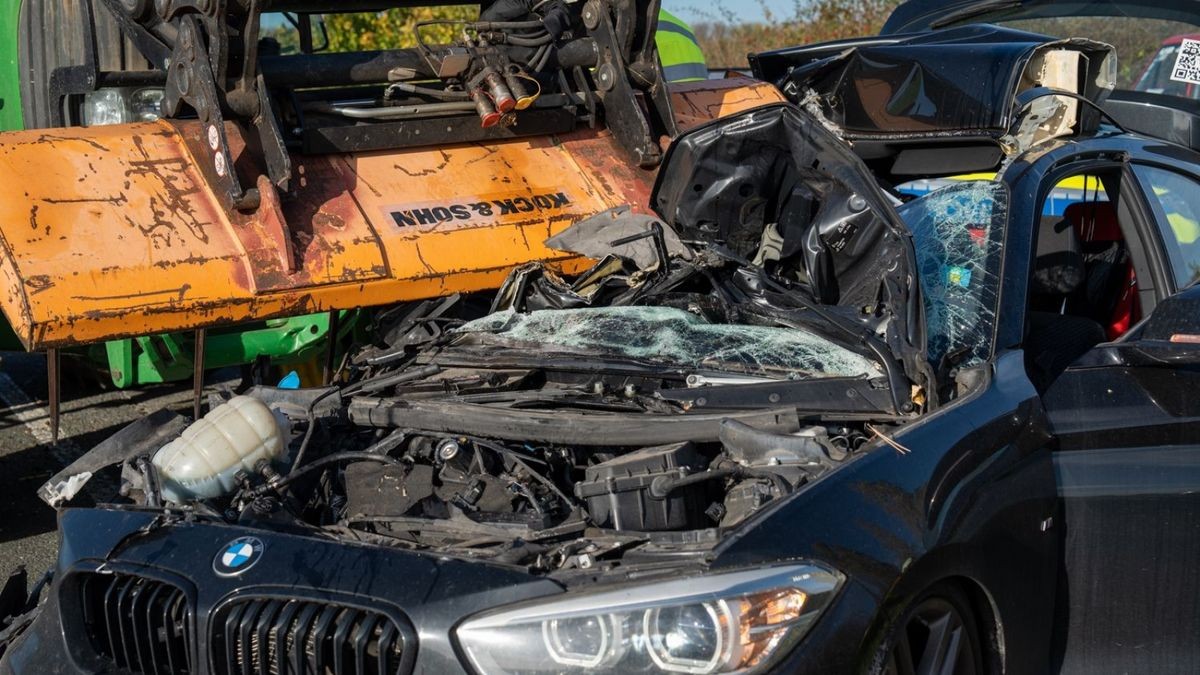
{"x": 1187, "y": 64}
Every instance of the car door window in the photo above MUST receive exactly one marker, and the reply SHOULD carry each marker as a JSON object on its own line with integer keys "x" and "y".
{"x": 1172, "y": 195}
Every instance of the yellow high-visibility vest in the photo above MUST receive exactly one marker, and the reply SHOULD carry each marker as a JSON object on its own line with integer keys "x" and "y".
{"x": 682, "y": 58}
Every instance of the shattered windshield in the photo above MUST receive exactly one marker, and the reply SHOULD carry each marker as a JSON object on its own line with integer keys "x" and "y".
{"x": 676, "y": 338}
{"x": 958, "y": 235}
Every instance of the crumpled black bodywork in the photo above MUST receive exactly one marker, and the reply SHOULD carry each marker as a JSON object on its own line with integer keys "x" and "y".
{"x": 781, "y": 168}
{"x": 955, "y": 82}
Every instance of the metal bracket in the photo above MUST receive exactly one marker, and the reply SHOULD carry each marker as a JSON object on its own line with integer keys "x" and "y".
{"x": 622, "y": 111}
{"x": 266, "y": 123}
{"x": 198, "y": 66}
{"x": 54, "y": 391}
{"x": 190, "y": 79}
{"x": 77, "y": 79}
{"x": 148, "y": 44}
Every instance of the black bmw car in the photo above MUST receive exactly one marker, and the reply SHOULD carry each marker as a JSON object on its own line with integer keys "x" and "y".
{"x": 835, "y": 407}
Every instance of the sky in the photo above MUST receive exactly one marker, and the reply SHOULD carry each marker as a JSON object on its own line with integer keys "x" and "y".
{"x": 747, "y": 10}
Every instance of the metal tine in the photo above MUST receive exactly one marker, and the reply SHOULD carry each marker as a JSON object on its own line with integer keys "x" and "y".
{"x": 53, "y": 380}
{"x": 198, "y": 374}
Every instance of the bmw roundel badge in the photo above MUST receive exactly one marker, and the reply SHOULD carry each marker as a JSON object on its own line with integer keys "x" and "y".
{"x": 238, "y": 556}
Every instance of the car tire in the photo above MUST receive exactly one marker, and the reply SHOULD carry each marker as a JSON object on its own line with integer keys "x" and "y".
{"x": 937, "y": 634}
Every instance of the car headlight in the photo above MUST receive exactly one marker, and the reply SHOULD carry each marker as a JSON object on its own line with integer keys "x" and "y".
{"x": 722, "y": 623}
{"x": 119, "y": 105}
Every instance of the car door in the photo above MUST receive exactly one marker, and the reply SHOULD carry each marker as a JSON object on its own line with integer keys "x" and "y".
{"x": 1127, "y": 423}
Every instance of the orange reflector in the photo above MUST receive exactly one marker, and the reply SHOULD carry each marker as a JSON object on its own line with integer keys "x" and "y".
{"x": 1186, "y": 339}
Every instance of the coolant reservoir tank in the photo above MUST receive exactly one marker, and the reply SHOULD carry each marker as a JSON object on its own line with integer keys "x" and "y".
{"x": 203, "y": 461}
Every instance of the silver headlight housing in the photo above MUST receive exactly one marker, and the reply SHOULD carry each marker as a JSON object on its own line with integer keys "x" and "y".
{"x": 734, "y": 622}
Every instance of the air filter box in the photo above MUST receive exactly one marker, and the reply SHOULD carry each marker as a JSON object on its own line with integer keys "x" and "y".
{"x": 618, "y": 491}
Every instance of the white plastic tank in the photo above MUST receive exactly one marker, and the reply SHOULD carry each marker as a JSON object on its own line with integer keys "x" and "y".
{"x": 203, "y": 461}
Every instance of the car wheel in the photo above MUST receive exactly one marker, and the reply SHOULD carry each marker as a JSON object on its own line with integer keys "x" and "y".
{"x": 936, "y": 635}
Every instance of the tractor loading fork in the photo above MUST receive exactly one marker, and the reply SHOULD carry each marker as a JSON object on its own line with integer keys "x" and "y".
{"x": 289, "y": 180}
{"x": 208, "y": 50}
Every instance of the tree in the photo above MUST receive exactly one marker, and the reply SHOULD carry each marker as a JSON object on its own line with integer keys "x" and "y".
{"x": 726, "y": 39}
{"x": 394, "y": 28}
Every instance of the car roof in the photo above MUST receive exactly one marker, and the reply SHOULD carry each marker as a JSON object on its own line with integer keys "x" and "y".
{"x": 1178, "y": 39}
{"x": 918, "y": 15}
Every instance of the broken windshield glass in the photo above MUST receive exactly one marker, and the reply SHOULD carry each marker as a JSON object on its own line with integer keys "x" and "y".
{"x": 958, "y": 235}
{"x": 674, "y": 337}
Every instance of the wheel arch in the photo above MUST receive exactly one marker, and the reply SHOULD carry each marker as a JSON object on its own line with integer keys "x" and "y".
{"x": 916, "y": 583}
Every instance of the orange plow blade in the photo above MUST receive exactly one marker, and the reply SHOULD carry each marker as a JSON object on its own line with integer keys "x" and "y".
{"x": 114, "y": 232}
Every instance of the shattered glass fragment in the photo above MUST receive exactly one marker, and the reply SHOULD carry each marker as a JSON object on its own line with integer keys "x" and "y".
{"x": 676, "y": 338}
{"x": 958, "y": 235}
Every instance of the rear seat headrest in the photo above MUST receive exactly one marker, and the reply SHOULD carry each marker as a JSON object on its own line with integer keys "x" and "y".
{"x": 1094, "y": 221}
{"x": 1058, "y": 268}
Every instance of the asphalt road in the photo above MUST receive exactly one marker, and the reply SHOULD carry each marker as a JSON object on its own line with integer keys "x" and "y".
{"x": 90, "y": 412}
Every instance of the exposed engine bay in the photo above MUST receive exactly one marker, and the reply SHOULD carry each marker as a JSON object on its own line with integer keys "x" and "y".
{"x": 711, "y": 363}
{"x": 549, "y": 468}
{"x": 545, "y": 506}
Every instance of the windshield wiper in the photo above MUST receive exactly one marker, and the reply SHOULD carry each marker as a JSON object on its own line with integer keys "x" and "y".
{"x": 829, "y": 396}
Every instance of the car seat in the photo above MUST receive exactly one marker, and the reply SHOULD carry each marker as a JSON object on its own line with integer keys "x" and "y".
{"x": 1055, "y": 339}
{"x": 1110, "y": 293}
